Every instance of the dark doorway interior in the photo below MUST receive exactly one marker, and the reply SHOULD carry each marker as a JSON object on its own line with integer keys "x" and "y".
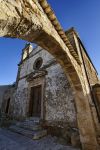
{"x": 7, "y": 106}
{"x": 35, "y": 101}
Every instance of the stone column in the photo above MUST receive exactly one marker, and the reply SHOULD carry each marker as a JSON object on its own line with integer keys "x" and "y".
{"x": 85, "y": 122}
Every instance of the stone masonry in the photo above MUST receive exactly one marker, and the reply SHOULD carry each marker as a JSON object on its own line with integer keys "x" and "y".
{"x": 35, "y": 21}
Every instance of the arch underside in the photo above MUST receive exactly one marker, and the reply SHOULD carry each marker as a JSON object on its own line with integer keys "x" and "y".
{"x": 27, "y": 20}
{"x": 34, "y": 26}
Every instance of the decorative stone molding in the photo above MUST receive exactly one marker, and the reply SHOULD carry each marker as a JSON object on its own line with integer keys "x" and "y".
{"x": 36, "y": 74}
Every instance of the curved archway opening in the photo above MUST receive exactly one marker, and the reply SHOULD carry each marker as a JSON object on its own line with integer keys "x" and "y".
{"x": 52, "y": 86}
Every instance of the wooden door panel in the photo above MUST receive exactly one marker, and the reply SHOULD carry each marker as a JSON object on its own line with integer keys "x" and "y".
{"x": 35, "y": 101}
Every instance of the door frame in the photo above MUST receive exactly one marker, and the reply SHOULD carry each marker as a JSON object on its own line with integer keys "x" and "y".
{"x": 37, "y": 82}
{"x": 7, "y": 106}
{"x": 32, "y": 101}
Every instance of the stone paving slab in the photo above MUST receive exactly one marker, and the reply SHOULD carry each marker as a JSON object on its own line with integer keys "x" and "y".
{"x": 13, "y": 141}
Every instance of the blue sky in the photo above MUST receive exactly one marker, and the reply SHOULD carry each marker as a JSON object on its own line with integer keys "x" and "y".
{"x": 84, "y": 15}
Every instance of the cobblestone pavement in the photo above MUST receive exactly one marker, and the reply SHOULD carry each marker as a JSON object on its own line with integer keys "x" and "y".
{"x": 14, "y": 141}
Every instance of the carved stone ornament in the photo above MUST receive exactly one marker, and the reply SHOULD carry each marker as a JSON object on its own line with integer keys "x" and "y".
{"x": 36, "y": 74}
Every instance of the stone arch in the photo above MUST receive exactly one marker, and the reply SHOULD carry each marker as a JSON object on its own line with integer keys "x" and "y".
{"x": 34, "y": 21}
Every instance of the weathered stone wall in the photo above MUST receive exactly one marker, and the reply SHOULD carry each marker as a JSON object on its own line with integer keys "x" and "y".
{"x": 35, "y": 21}
{"x": 91, "y": 72}
{"x": 96, "y": 96}
{"x": 3, "y": 88}
{"x": 20, "y": 100}
{"x": 27, "y": 65}
{"x": 58, "y": 96}
{"x": 80, "y": 49}
{"x": 8, "y": 94}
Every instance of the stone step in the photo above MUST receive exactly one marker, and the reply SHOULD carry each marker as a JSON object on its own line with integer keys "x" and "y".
{"x": 33, "y": 119}
{"x": 29, "y": 123}
{"x": 30, "y": 126}
{"x": 35, "y": 135}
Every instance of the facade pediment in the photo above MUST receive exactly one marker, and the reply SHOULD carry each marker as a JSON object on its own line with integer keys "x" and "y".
{"x": 36, "y": 74}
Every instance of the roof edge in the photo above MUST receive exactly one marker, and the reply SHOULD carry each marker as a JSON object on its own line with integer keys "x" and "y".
{"x": 72, "y": 29}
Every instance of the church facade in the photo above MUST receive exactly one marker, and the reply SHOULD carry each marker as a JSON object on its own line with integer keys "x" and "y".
{"x": 42, "y": 89}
